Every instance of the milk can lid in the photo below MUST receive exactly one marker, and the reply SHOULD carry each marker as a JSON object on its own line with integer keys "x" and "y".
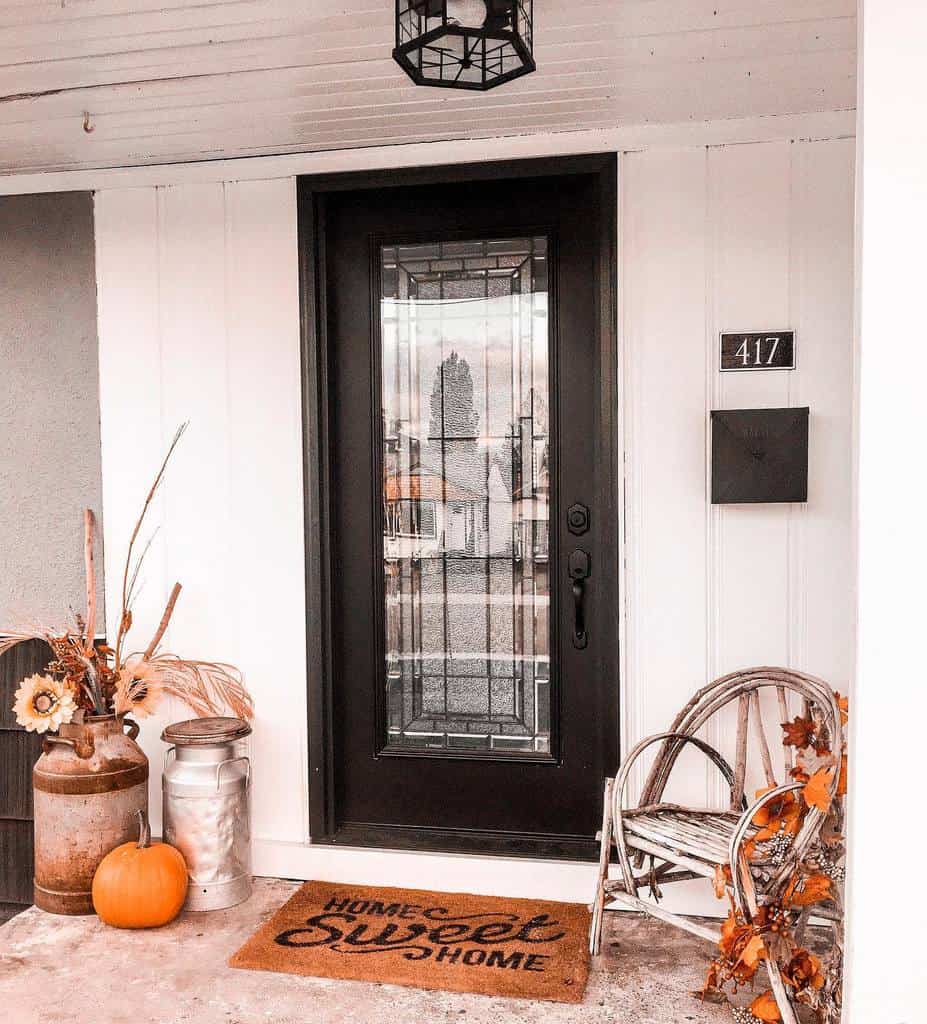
{"x": 205, "y": 732}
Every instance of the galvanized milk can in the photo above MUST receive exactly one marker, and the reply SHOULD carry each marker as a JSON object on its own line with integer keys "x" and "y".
{"x": 207, "y": 808}
{"x": 89, "y": 785}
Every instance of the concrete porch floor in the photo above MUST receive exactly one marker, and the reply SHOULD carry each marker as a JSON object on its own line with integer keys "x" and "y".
{"x": 61, "y": 970}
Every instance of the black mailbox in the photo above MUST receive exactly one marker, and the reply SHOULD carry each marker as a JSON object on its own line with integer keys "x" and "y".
{"x": 759, "y": 455}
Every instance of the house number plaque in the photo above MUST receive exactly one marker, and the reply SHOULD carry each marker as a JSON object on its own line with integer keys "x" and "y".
{"x": 758, "y": 350}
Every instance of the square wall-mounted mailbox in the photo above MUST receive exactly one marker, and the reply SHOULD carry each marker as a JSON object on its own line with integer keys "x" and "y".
{"x": 759, "y": 455}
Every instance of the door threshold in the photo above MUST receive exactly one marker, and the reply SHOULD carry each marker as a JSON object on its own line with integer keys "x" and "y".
{"x": 523, "y": 877}
{"x": 463, "y": 841}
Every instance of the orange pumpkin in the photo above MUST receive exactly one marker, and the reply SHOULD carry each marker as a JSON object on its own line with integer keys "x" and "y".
{"x": 138, "y": 885}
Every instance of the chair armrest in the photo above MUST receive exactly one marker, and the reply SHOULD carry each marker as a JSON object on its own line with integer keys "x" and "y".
{"x": 735, "y": 847}
{"x": 621, "y": 780}
{"x": 621, "y": 783}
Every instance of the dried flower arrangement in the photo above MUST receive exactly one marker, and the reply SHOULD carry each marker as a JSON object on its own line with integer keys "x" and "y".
{"x": 777, "y": 930}
{"x": 85, "y": 677}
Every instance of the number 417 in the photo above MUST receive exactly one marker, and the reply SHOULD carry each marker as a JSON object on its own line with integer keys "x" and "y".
{"x": 754, "y": 356}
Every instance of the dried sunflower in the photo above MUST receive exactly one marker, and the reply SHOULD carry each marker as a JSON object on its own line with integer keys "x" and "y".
{"x": 43, "y": 703}
{"x": 138, "y": 689}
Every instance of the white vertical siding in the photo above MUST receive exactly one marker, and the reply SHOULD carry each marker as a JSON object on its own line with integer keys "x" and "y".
{"x": 200, "y": 320}
{"x": 734, "y": 238}
{"x": 664, "y": 265}
{"x": 823, "y": 584}
{"x": 265, "y": 480}
{"x": 198, "y": 304}
{"x": 126, "y": 227}
{"x": 750, "y": 247}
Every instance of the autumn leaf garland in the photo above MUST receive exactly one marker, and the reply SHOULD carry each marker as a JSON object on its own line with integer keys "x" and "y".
{"x": 744, "y": 945}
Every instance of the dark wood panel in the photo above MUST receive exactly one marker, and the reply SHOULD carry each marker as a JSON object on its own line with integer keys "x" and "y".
{"x": 15, "y": 861}
{"x": 18, "y": 753}
{"x": 8, "y": 910}
{"x": 25, "y": 659}
{"x": 19, "y": 750}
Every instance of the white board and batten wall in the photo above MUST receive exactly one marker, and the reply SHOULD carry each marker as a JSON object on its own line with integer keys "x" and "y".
{"x": 199, "y": 321}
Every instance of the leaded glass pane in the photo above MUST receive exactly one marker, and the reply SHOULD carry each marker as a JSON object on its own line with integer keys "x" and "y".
{"x": 464, "y": 331}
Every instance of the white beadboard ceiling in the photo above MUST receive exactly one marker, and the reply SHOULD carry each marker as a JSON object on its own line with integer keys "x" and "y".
{"x": 158, "y": 81}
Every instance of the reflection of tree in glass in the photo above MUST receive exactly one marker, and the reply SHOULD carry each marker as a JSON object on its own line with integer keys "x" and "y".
{"x": 452, "y": 410}
{"x": 538, "y": 411}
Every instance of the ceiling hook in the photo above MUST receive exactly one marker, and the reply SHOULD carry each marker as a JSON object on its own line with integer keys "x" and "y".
{"x": 88, "y": 127}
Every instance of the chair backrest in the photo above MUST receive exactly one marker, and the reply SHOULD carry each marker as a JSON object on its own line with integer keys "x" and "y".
{"x": 744, "y": 687}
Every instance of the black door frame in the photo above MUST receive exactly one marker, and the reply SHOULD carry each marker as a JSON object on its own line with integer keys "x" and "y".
{"x": 323, "y": 828}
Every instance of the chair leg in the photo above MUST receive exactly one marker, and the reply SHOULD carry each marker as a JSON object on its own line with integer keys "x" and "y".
{"x": 605, "y": 850}
{"x": 780, "y": 992}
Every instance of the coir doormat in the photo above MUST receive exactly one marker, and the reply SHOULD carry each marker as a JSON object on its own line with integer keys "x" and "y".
{"x": 528, "y": 949}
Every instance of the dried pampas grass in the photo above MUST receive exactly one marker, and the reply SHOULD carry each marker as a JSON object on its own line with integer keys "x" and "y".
{"x": 10, "y": 640}
{"x": 208, "y": 687}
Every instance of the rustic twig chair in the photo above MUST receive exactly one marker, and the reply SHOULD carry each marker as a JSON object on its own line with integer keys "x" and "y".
{"x": 683, "y": 843}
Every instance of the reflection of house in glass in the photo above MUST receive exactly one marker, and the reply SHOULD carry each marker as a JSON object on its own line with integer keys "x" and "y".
{"x": 465, "y": 500}
{"x": 427, "y": 511}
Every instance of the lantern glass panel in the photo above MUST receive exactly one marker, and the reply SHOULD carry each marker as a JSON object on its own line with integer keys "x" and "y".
{"x": 469, "y": 13}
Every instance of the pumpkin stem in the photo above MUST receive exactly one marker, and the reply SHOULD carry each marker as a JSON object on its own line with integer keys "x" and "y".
{"x": 144, "y": 831}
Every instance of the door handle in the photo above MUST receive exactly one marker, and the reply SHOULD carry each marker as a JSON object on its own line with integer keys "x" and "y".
{"x": 580, "y": 570}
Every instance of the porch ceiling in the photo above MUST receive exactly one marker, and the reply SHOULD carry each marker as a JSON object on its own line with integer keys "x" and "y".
{"x": 179, "y": 80}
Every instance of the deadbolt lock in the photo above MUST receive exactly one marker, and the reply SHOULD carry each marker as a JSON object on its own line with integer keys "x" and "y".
{"x": 577, "y": 519}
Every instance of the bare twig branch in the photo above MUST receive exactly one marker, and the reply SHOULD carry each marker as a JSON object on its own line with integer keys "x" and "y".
{"x": 91, "y": 580}
{"x": 125, "y": 619}
{"x": 133, "y": 580}
{"x": 162, "y": 625}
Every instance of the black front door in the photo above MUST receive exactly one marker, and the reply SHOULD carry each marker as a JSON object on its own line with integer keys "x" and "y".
{"x": 463, "y": 522}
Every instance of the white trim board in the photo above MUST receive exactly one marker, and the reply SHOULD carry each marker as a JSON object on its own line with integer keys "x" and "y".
{"x": 735, "y": 131}
{"x": 493, "y": 876}
{"x": 516, "y": 877}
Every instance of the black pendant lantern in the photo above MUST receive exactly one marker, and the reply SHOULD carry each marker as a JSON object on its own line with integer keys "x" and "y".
{"x": 464, "y": 44}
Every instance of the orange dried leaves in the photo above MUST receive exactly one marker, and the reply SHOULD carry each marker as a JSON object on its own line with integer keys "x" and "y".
{"x": 803, "y": 971}
{"x": 799, "y": 733}
{"x": 741, "y": 948}
{"x": 804, "y": 891}
{"x": 764, "y": 1008}
{"x": 783, "y": 814}
{"x": 817, "y": 789}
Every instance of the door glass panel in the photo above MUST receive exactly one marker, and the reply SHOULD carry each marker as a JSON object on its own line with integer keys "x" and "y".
{"x": 466, "y": 489}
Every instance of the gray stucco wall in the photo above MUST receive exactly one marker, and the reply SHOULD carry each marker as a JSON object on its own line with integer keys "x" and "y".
{"x": 49, "y": 405}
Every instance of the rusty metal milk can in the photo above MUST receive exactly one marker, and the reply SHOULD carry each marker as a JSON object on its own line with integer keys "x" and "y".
{"x": 89, "y": 785}
{"x": 206, "y": 804}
